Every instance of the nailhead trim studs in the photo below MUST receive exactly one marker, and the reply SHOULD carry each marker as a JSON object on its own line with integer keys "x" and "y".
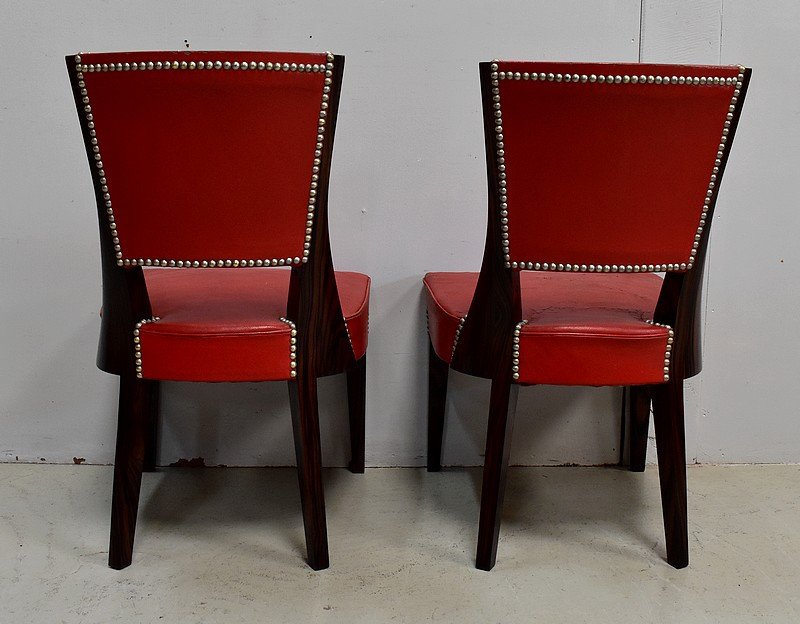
{"x": 624, "y": 79}
{"x": 323, "y": 113}
{"x": 191, "y": 65}
{"x": 497, "y": 76}
{"x": 500, "y": 162}
{"x": 599, "y": 268}
{"x": 457, "y": 335}
{"x": 349, "y": 337}
{"x": 515, "y": 350}
{"x": 292, "y": 347}
{"x": 668, "y": 351}
{"x": 137, "y": 345}
{"x": 326, "y": 68}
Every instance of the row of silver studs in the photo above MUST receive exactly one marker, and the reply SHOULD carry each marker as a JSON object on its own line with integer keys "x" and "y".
{"x": 668, "y": 351}
{"x": 312, "y": 194}
{"x": 625, "y": 79}
{"x": 137, "y": 345}
{"x": 208, "y": 263}
{"x": 501, "y": 162}
{"x": 327, "y": 68}
{"x": 600, "y": 268}
{"x": 349, "y": 337}
{"x": 458, "y": 333}
{"x": 98, "y": 161}
{"x": 172, "y": 64}
{"x": 292, "y": 347}
{"x": 515, "y": 350}
{"x": 496, "y": 76}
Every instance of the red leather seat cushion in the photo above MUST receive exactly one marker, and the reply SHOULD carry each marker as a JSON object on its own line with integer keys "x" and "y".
{"x": 224, "y": 325}
{"x": 583, "y": 329}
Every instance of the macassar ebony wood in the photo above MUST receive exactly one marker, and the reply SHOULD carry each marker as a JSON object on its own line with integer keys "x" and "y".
{"x": 322, "y": 344}
{"x": 152, "y": 440}
{"x": 623, "y": 425}
{"x": 125, "y": 300}
{"x": 671, "y": 449}
{"x": 305, "y": 425}
{"x": 484, "y": 349}
{"x": 357, "y": 407}
{"x": 502, "y": 408}
{"x": 485, "y": 345}
{"x": 322, "y": 348}
{"x": 496, "y": 305}
{"x": 438, "y": 372}
{"x": 132, "y": 432}
{"x": 639, "y": 410}
{"x": 679, "y": 306}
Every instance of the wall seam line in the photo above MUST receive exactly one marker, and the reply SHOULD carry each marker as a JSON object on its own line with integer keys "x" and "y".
{"x": 641, "y": 27}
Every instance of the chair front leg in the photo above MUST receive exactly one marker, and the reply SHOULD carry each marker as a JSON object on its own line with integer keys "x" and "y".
{"x": 356, "y": 405}
{"x": 640, "y": 426}
{"x": 438, "y": 371}
{"x": 671, "y": 448}
{"x": 132, "y": 433}
{"x": 502, "y": 408}
{"x": 305, "y": 424}
{"x": 153, "y": 409}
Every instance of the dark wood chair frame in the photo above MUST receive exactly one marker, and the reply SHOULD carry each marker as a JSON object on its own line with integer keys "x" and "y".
{"x": 484, "y": 349}
{"x": 323, "y": 348}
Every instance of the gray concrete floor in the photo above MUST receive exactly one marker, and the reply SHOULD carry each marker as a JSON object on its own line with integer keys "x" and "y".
{"x": 226, "y": 545}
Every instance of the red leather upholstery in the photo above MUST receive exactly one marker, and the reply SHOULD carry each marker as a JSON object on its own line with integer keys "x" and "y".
{"x": 209, "y": 160}
{"x": 611, "y": 173}
{"x": 582, "y": 329}
{"x": 224, "y": 325}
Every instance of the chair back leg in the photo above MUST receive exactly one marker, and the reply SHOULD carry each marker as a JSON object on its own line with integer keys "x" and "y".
{"x": 135, "y": 397}
{"x": 357, "y": 405}
{"x": 502, "y": 408}
{"x": 305, "y": 424}
{"x": 151, "y": 442}
{"x": 671, "y": 448}
{"x": 438, "y": 372}
{"x": 639, "y": 410}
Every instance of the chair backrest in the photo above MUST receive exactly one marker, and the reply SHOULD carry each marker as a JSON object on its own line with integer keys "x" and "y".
{"x": 607, "y": 167}
{"x": 208, "y": 159}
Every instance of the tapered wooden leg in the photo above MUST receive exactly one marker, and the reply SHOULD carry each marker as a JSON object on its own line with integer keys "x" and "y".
{"x": 502, "y": 408}
{"x": 151, "y": 444}
{"x": 305, "y": 423}
{"x": 640, "y": 425}
{"x": 357, "y": 405}
{"x": 438, "y": 371}
{"x": 132, "y": 433}
{"x": 671, "y": 447}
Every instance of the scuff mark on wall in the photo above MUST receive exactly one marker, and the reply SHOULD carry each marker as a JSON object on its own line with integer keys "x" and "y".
{"x": 195, "y": 462}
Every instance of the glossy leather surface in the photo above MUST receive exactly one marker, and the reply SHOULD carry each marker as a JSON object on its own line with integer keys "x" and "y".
{"x": 609, "y": 174}
{"x": 583, "y": 329}
{"x": 224, "y": 324}
{"x": 207, "y": 164}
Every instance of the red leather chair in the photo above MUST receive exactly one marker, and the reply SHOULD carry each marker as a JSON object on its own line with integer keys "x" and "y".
{"x": 211, "y": 172}
{"x": 600, "y": 178}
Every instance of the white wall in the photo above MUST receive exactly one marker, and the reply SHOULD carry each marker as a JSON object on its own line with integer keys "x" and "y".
{"x": 408, "y": 195}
